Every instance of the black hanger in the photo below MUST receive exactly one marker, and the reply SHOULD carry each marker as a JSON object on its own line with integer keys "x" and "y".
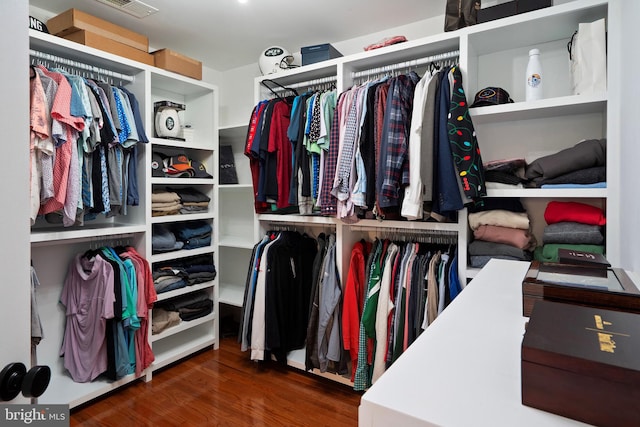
{"x": 263, "y": 83}
{"x": 433, "y": 67}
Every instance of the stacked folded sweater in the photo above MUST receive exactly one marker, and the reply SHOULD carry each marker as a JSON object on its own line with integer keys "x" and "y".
{"x": 580, "y": 166}
{"x": 165, "y": 202}
{"x": 501, "y": 229}
{"x": 571, "y": 225}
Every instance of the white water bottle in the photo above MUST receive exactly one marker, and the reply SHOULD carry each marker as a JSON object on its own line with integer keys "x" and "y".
{"x": 534, "y": 76}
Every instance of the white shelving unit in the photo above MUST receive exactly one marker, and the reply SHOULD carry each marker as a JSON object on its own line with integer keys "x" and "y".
{"x": 200, "y": 100}
{"x": 237, "y": 231}
{"x": 490, "y": 54}
{"x": 53, "y": 247}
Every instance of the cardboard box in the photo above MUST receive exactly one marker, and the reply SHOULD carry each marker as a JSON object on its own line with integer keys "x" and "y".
{"x": 582, "y": 363}
{"x": 178, "y": 63}
{"x": 609, "y": 288}
{"x": 317, "y": 53}
{"x": 90, "y": 39}
{"x": 74, "y": 20}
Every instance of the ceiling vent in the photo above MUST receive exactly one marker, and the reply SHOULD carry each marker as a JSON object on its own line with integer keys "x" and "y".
{"x": 132, "y": 7}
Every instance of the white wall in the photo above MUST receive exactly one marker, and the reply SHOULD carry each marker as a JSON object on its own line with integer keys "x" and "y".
{"x": 236, "y": 85}
{"x": 236, "y": 94}
{"x": 14, "y": 178}
{"x": 628, "y": 86}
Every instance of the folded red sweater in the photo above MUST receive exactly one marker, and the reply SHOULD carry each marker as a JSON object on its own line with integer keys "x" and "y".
{"x": 575, "y": 212}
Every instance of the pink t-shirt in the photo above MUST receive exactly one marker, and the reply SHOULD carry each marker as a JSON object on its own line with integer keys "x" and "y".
{"x": 88, "y": 297}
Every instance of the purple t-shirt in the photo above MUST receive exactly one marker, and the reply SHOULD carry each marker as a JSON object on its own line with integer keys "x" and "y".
{"x": 88, "y": 297}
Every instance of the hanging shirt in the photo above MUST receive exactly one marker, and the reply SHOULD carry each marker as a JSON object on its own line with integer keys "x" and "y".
{"x": 420, "y": 148}
{"x": 65, "y": 162}
{"x": 46, "y": 146}
{"x": 464, "y": 144}
{"x": 329, "y": 342}
{"x": 88, "y": 298}
{"x": 39, "y": 130}
{"x": 353, "y": 300}
{"x": 328, "y": 203}
{"x": 394, "y": 163}
{"x": 361, "y": 377}
{"x": 383, "y": 308}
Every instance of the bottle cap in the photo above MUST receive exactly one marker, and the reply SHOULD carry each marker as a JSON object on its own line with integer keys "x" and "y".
{"x": 534, "y": 52}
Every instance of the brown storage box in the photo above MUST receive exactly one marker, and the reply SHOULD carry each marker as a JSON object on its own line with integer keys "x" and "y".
{"x": 582, "y": 363}
{"x": 621, "y": 295}
{"x": 73, "y": 20}
{"x": 178, "y": 63}
{"x": 90, "y": 39}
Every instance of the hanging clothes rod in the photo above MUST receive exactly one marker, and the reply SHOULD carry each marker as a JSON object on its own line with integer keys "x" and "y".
{"x": 302, "y": 223}
{"x": 309, "y": 83}
{"x": 423, "y": 236}
{"x": 406, "y": 64}
{"x": 393, "y": 232}
{"x": 80, "y": 65}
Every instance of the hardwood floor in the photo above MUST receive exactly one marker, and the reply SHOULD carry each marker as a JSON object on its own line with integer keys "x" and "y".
{"x": 224, "y": 388}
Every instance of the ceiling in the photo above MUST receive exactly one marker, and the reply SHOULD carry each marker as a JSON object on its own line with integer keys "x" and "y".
{"x": 226, "y": 34}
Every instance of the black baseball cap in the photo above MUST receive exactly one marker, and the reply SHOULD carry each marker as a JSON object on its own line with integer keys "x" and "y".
{"x": 157, "y": 164}
{"x": 491, "y": 96}
{"x": 200, "y": 170}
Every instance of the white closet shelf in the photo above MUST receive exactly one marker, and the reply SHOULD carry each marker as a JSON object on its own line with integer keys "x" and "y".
{"x": 539, "y": 26}
{"x": 237, "y": 130}
{"x": 296, "y": 359}
{"x": 231, "y": 294}
{"x": 544, "y": 108}
{"x": 297, "y": 218}
{"x": 182, "y": 181}
{"x": 87, "y": 232}
{"x": 177, "y": 83}
{"x": 77, "y": 52}
{"x": 180, "y": 218}
{"x": 240, "y": 242}
{"x": 401, "y": 52}
{"x": 185, "y": 253}
{"x": 236, "y": 187}
{"x": 555, "y": 193}
{"x": 180, "y": 346}
{"x": 176, "y": 145}
{"x": 186, "y": 290}
{"x": 62, "y": 389}
{"x": 307, "y": 72}
{"x": 408, "y": 225}
{"x": 183, "y": 326}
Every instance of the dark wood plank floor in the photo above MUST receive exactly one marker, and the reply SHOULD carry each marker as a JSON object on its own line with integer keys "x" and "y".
{"x": 224, "y": 388}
